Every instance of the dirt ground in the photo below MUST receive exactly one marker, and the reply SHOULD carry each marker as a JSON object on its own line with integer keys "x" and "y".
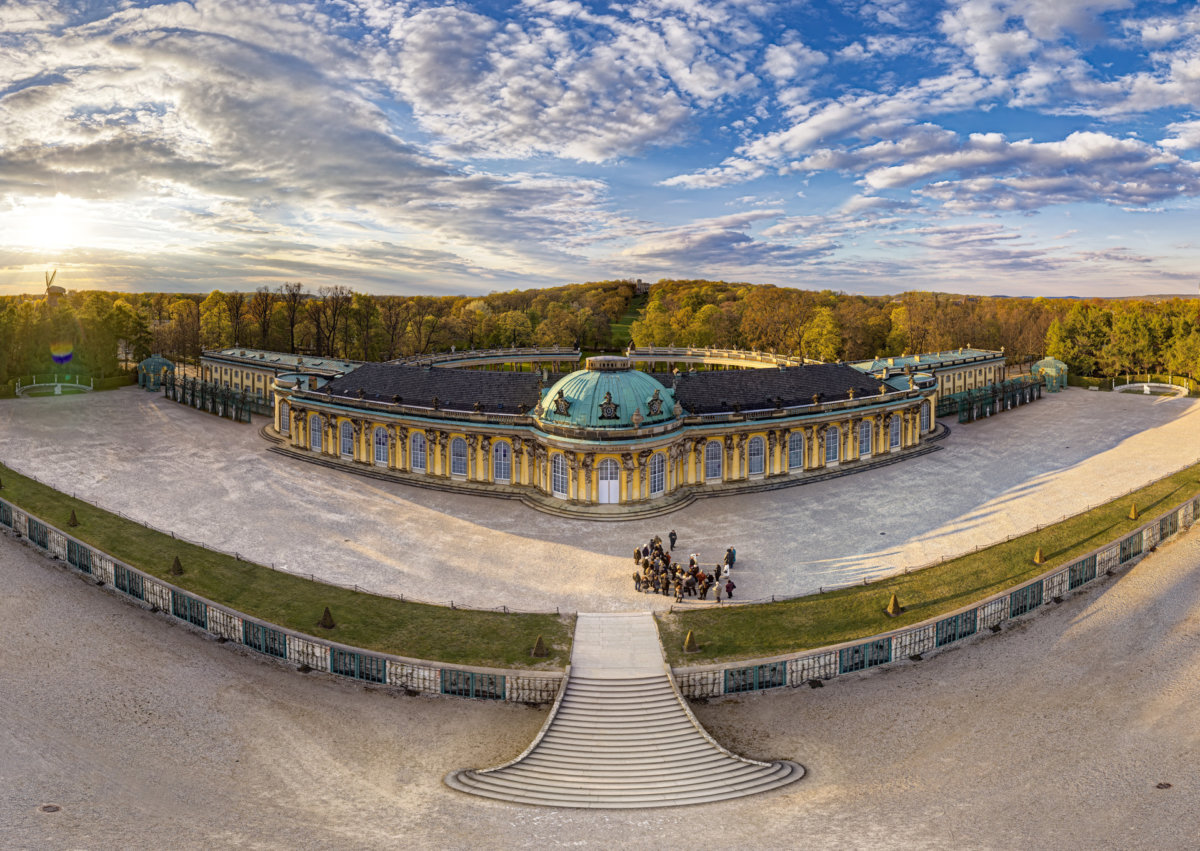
{"x": 1054, "y": 734}
{"x": 213, "y": 481}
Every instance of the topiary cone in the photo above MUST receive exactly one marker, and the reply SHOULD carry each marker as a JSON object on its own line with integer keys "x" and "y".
{"x": 1133, "y": 512}
{"x": 326, "y": 621}
{"x": 72, "y": 521}
{"x": 1038, "y": 558}
{"x": 176, "y": 567}
{"x": 893, "y": 607}
{"x": 539, "y": 649}
{"x": 689, "y": 643}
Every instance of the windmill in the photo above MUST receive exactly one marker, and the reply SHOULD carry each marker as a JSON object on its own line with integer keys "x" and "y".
{"x": 52, "y": 290}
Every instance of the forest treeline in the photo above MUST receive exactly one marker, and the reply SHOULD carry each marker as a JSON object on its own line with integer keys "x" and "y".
{"x": 110, "y": 331}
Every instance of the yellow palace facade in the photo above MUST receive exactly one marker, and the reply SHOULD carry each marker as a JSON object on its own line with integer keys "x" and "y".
{"x": 607, "y": 434}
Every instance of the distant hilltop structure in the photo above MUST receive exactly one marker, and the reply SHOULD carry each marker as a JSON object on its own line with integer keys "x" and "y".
{"x": 53, "y": 291}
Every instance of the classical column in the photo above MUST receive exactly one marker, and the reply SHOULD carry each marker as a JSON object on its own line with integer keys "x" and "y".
{"x": 518, "y": 460}
{"x": 485, "y": 453}
{"x": 472, "y": 442}
{"x": 727, "y": 472}
{"x": 772, "y": 448}
{"x": 819, "y": 447}
{"x": 740, "y": 440}
{"x": 643, "y": 459}
{"x": 589, "y": 460}
{"x": 627, "y": 465}
{"x": 698, "y": 463}
{"x": 572, "y": 475}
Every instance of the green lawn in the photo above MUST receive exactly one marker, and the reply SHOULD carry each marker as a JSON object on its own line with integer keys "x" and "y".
{"x": 454, "y": 636}
{"x": 621, "y": 328}
{"x": 771, "y": 629}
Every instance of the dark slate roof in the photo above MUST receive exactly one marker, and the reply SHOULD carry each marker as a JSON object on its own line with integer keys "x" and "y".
{"x": 753, "y": 389}
{"x": 456, "y": 389}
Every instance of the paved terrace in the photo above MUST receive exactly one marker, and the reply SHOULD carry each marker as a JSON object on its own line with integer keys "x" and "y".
{"x": 214, "y": 481}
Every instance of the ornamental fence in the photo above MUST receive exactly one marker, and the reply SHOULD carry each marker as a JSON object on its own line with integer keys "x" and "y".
{"x": 916, "y": 642}
{"x": 311, "y": 577}
{"x": 414, "y": 676}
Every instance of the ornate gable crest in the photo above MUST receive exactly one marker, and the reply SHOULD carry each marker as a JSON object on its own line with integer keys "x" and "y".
{"x": 562, "y": 407}
{"x": 654, "y": 406}
{"x": 608, "y": 408}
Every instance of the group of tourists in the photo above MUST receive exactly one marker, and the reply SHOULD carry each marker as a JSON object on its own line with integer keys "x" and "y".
{"x": 655, "y": 572}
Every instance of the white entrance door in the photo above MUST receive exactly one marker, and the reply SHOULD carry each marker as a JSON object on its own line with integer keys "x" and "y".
{"x": 610, "y": 484}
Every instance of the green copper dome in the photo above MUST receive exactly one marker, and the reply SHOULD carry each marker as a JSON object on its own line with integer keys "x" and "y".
{"x": 608, "y": 394}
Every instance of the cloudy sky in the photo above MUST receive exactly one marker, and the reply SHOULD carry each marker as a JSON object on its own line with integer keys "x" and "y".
{"x": 989, "y": 146}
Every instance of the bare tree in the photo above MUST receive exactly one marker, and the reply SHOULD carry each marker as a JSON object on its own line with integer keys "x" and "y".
{"x": 235, "y": 309}
{"x": 292, "y": 295}
{"x": 261, "y": 308}
{"x": 394, "y": 315}
{"x": 337, "y": 301}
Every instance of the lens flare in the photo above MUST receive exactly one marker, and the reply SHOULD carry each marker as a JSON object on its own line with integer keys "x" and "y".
{"x": 62, "y": 352}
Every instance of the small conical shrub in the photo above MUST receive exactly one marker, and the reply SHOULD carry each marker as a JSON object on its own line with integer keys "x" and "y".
{"x": 689, "y": 643}
{"x": 1038, "y": 558}
{"x": 539, "y": 649}
{"x": 326, "y": 621}
{"x": 176, "y": 567}
{"x": 893, "y": 607}
{"x": 73, "y": 521}
{"x": 1133, "y": 512}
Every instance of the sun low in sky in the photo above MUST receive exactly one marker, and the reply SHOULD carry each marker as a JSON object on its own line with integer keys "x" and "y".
{"x": 984, "y": 146}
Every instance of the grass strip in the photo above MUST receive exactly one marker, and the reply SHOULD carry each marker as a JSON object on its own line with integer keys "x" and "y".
{"x": 369, "y": 621}
{"x": 621, "y": 329}
{"x": 818, "y": 620}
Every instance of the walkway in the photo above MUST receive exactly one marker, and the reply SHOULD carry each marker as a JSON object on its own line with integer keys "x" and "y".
{"x": 621, "y": 737}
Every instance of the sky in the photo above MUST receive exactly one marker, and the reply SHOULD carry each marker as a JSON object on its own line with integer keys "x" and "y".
{"x": 1018, "y": 147}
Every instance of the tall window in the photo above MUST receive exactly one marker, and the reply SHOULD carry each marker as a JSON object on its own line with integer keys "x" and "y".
{"x": 712, "y": 460}
{"x": 347, "y": 440}
{"x": 925, "y": 416}
{"x": 795, "y": 451}
{"x": 501, "y": 461}
{"x": 458, "y": 457}
{"x": 381, "y": 446}
{"x": 756, "y": 454}
{"x": 658, "y": 474}
{"x": 418, "y": 451}
{"x": 314, "y": 432}
{"x": 864, "y": 438}
{"x": 558, "y": 476}
{"x": 897, "y": 424}
{"x": 285, "y": 423}
{"x": 833, "y": 444}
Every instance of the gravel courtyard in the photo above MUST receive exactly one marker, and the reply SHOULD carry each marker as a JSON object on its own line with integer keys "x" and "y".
{"x": 213, "y": 481}
{"x": 1055, "y": 734}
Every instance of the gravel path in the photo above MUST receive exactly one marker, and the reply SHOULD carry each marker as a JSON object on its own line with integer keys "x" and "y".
{"x": 213, "y": 481}
{"x": 1052, "y": 735}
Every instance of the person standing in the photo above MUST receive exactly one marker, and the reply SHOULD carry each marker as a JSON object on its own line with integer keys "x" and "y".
{"x": 717, "y": 591}
{"x": 672, "y": 537}
{"x": 729, "y": 586}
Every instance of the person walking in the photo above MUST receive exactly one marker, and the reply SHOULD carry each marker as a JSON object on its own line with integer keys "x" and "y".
{"x": 717, "y": 591}
{"x": 672, "y": 537}
{"x": 729, "y": 586}
{"x": 637, "y": 582}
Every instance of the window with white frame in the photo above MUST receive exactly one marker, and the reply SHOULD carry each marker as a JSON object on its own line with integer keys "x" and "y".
{"x": 864, "y": 438}
{"x": 897, "y": 425}
{"x": 712, "y": 460}
{"x": 347, "y": 432}
{"x": 658, "y": 474}
{"x": 795, "y": 451}
{"x": 285, "y": 422}
{"x": 314, "y": 432}
{"x": 756, "y": 454}
{"x": 458, "y": 457}
{"x": 924, "y": 416}
{"x": 833, "y": 445}
{"x": 381, "y": 446}
{"x": 418, "y": 451}
{"x": 501, "y": 461}
{"x": 558, "y": 476}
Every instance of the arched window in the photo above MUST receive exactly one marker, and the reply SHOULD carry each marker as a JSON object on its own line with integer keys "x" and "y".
{"x": 756, "y": 454}
{"x": 833, "y": 444}
{"x": 712, "y": 460}
{"x": 658, "y": 474}
{"x": 864, "y": 438}
{"x": 381, "y": 446}
{"x": 501, "y": 461}
{"x": 795, "y": 451}
{"x": 418, "y": 451}
{"x": 558, "y": 476}
{"x": 347, "y": 432}
{"x": 897, "y": 424}
{"x": 458, "y": 457}
{"x": 925, "y": 416}
{"x": 285, "y": 422}
{"x": 314, "y": 432}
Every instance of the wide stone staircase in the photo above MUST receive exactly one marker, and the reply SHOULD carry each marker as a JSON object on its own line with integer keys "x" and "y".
{"x": 621, "y": 736}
